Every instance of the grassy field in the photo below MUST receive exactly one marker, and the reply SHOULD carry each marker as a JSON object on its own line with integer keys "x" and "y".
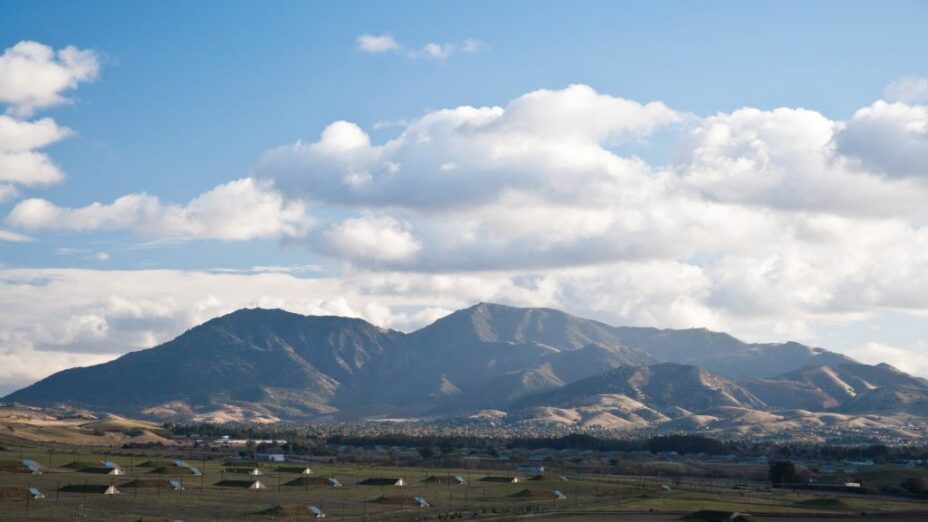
{"x": 589, "y": 497}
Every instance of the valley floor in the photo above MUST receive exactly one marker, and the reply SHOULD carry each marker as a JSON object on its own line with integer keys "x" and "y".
{"x": 205, "y": 498}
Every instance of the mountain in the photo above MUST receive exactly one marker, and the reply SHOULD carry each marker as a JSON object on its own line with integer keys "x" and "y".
{"x": 265, "y": 365}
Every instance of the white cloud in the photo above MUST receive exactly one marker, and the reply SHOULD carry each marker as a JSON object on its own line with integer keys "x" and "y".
{"x": 19, "y": 161}
{"x": 34, "y": 76}
{"x": 8, "y": 192}
{"x": 377, "y": 43}
{"x": 439, "y": 51}
{"x": 83, "y": 253}
{"x": 788, "y": 159}
{"x": 286, "y": 269}
{"x": 370, "y": 239}
{"x": 386, "y": 43}
{"x": 551, "y": 142}
{"x": 13, "y": 237}
{"x": 236, "y": 211}
{"x": 473, "y": 46}
{"x": 907, "y": 90}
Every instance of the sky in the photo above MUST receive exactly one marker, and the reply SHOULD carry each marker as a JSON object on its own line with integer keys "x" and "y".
{"x": 758, "y": 168}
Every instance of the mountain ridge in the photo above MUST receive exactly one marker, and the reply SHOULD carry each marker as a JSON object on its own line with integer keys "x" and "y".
{"x": 274, "y": 364}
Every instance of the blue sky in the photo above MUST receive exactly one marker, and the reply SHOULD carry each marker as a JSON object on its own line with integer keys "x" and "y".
{"x": 189, "y": 96}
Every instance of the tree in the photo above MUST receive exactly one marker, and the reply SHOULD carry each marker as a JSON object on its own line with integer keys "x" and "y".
{"x": 426, "y": 452}
{"x": 783, "y": 472}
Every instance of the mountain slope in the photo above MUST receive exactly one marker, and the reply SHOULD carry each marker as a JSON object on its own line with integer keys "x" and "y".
{"x": 286, "y": 364}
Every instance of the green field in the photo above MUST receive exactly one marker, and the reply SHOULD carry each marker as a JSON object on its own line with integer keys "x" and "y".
{"x": 589, "y": 497}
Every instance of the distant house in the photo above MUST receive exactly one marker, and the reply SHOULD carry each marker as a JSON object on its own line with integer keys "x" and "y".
{"x": 35, "y": 494}
{"x": 559, "y": 496}
{"x": 383, "y": 481}
{"x": 270, "y": 457}
{"x": 316, "y": 512}
{"x": 176, "y": 485}
{"x": 111, "y": 490}
{"x": 460, "y": 480}
{"x": 422, "y": 502}
{"x": 530, "y": 468}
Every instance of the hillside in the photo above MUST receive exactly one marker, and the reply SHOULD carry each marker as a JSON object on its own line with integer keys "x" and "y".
{"x": 668, "y": 388}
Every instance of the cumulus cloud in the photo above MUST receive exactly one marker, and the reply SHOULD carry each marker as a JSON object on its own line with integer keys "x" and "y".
{"x": 907, "y": 90}
{"x": 235, "y": 211}
{"x": 386, "y": 43}
{"x": 545, "y": 141}
{"x": 539, "y": 184}
{"x": 889, "y": 138}
{"x": 794, "y": 159}
{"x": 34, "y": 76}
